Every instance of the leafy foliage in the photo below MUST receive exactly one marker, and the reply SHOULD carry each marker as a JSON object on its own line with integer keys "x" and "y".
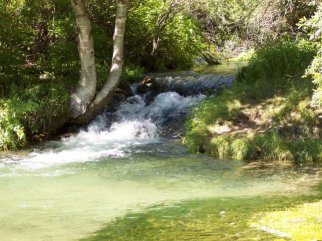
{"x": 281, "y": 59}
{"x": 39, "y": 58}
{"x": 180, "y": 41}
{"x": 314, "y": 27}
{"x": 40, "y": 63}
{"x": 35, "y": 77}
{"x": 235, "y": 27}
{"x": 28, "y": 114}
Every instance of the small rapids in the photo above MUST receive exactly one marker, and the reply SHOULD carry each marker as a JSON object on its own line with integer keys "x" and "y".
{"x": 134, "y": 123}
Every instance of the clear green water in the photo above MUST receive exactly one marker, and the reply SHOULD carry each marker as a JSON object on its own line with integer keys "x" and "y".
{"x": 71, "y": 201}
{"x": 125, "y": 183}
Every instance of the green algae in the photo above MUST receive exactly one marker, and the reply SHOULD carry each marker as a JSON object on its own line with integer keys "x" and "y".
{"x": 302, "y": 222}
{"x": 218, "y": 219}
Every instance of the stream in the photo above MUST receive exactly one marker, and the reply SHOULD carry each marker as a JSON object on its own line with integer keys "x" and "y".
{"x": 120, "y": 164}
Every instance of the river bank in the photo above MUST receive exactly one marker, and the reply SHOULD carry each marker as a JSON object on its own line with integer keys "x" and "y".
{"x": 265, "y": 115}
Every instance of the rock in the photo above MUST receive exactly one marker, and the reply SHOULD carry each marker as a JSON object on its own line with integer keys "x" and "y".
{"x": 120, "y": 95}
{"x": 126, "y": 88}
{"x": 146, "y": 85}
{"x": 150, "y": 88}
{"x": 193, "y": 85}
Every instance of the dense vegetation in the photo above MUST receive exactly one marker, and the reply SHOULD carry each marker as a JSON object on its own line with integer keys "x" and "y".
{"x": 271, "y": 111}
{"x": 40, "y": 64}
{"x": 266, "y": 114}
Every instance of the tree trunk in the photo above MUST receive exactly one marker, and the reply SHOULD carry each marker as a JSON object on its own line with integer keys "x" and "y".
{"x": 85, "y": 91}
{"x": 113, "y": 80}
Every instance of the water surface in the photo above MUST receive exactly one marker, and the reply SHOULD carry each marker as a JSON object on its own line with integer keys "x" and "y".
{"x": 119, "y": 164}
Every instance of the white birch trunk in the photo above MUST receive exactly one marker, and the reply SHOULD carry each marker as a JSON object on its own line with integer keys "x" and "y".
{"x": 113, "y": 80}
{"x": 85, "y": 91}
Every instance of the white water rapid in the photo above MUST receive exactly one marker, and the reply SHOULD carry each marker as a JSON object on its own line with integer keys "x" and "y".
{"x": 133, "y": 124}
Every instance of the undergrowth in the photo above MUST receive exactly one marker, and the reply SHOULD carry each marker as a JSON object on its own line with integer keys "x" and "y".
{"x": 266, "y": 114}
{"x": 28, "y": 114}
{"x": 35, "y": 104}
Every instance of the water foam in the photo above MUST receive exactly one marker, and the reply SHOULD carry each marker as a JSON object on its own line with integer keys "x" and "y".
{"x": 134, "y": 124}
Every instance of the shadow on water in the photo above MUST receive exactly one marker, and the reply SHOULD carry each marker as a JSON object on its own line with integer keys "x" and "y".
{"x": 206, "y": 219}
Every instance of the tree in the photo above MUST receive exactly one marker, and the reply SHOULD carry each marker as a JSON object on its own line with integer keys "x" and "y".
{"x": 85, "y": 91}
{"x": 171, "y": 10}
{"x": 85, "y": 103}
{"x": 313, "y": 26}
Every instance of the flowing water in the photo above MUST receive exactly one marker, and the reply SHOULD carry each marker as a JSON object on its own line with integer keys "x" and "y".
{"x": 68, "y": 189}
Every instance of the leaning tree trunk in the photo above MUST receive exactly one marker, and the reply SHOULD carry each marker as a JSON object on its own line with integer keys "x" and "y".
{"x": 113, "y": 80}
{"x": 85, "y": 91}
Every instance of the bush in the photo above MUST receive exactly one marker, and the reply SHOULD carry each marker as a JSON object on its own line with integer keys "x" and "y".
{"x": 267, "y": 146}
{"x": 132, "y": 73}
{"x": 181, "y": 40}
{"x": 280, "y": 60}
{"x": 313, "y": 27}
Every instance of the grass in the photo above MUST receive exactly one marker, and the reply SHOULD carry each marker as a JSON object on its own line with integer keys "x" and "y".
{"x": 265, "y": 115}
{"x": 256, "y": 218}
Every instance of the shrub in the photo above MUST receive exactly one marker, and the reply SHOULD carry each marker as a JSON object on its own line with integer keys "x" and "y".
{"x": 29, "y": 114}
{"x": 306, "y": 149}
{"x": 313, "y": 27}
{"x": 269, "y": 96}
{"x": 280, "y": 60}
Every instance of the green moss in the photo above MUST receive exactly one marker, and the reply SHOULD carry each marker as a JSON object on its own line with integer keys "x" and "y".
{"x": 303, "y": 222}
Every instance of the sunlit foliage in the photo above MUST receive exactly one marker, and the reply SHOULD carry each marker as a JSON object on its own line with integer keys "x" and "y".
{"x": 314, "y": 28}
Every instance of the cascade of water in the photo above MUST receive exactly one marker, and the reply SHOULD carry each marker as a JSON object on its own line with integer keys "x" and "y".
{"x": 134, "y": 123}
